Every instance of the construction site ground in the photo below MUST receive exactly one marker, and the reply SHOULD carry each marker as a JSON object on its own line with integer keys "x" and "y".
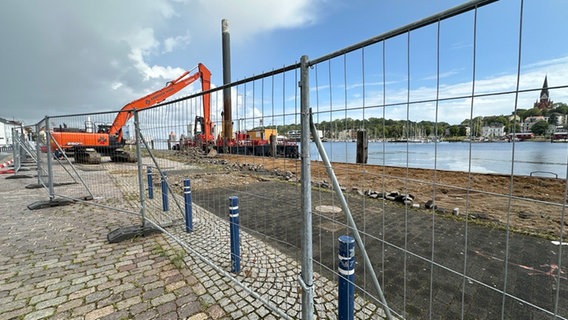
{"x": 417, "y": 252}
{"x": 419, "y": 255}
{"x": 536, "y": 205}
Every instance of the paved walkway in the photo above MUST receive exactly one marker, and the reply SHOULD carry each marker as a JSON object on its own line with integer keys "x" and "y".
{"x": 56, "y": 263}
{"x": 269, "y": 272}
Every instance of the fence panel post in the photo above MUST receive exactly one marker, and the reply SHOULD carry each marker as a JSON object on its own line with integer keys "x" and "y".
{"x": 139, "y": 169}
{"x": 22, "y": 138}
{"x": 307, "y": 277}
{"x": 49, "y": 160}
{"x": 14, "y": 151}
{"x": 235, "y": 241}
{"x": 38, "y": 153}
{"x": 346, "y": 278}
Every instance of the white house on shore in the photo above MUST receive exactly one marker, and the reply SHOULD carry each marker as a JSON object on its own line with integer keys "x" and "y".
{"x": 493, "y": 131}
{"x": 527, "y": 124}
{"x": 6, "y": 127}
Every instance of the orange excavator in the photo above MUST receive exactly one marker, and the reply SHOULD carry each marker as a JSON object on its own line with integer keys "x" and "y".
{"x": 87, "y": 145}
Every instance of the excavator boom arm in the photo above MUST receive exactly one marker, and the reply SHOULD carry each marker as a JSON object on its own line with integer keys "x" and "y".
{"x": 156, "y": 97}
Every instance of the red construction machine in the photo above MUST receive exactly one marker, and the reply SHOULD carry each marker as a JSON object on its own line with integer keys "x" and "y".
{"x": 88, "y": 144}
{"x": 261, "y": 141}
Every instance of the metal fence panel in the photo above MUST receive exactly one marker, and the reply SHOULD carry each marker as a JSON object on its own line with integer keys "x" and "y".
{"x": 484, "y": 251}
{"x": 453, "y": 230}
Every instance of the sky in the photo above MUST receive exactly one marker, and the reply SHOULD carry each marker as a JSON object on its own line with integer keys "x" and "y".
{"x": 67, "y": 57}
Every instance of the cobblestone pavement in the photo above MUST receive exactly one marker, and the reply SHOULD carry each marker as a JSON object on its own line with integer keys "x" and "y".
{"x": 269, "y": 272}
{"x": 56, "y": 263}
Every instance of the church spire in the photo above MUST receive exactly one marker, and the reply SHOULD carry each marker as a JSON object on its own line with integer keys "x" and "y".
{"x": 544, "y": 102}
{"x": 544, "y": 92}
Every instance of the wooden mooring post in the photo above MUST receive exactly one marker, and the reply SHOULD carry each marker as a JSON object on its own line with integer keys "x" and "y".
{"x": 362, "y": 147}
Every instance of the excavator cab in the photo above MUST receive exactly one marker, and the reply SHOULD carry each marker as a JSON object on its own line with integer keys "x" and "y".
{"x": 103, "y": 128}
{"x": 198, "y": 127}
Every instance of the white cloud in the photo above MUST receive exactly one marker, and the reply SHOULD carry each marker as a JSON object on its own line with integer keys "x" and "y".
{"x": 116, "y": 85}
{"x": 250, "y": 17}
{"x": 83, "y": 56}
{"x": 142, "y": 41}
{"x": 494, "y": 95}
{"x": 171, "y": 43}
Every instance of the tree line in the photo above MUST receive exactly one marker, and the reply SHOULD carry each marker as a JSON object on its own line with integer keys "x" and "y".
{"x": 379, "y": 128}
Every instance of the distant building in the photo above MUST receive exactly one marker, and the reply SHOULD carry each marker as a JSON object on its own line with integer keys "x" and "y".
{"x": 6, "y": 127}
{"x": 544, "y": 102}
{"x": 295, "y": 135}
{"x": 530, "y": 121}
{"x": 561, "y": 120}
{"x": 347, "y": 135}
{"x": 495, "y": 130}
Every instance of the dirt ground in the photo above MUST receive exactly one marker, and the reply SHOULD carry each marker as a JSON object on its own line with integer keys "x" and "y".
{"x": 530, "y": 205}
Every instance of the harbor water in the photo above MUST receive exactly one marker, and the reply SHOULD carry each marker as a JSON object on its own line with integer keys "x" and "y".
{"x": 520, "y": 158}
{"x": 526, "y": 158}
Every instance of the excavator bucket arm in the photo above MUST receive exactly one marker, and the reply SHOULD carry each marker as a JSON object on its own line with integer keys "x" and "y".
{"x": 154, "y": 98}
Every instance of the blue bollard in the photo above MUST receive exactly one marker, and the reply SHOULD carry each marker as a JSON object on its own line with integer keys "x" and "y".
{"x": 165, "y": 192}
{"x": 150, "y": 183}
{"x": 188, "y": 213}
{"x": 346, "y": 278}
{"x": 234, "y": 225}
